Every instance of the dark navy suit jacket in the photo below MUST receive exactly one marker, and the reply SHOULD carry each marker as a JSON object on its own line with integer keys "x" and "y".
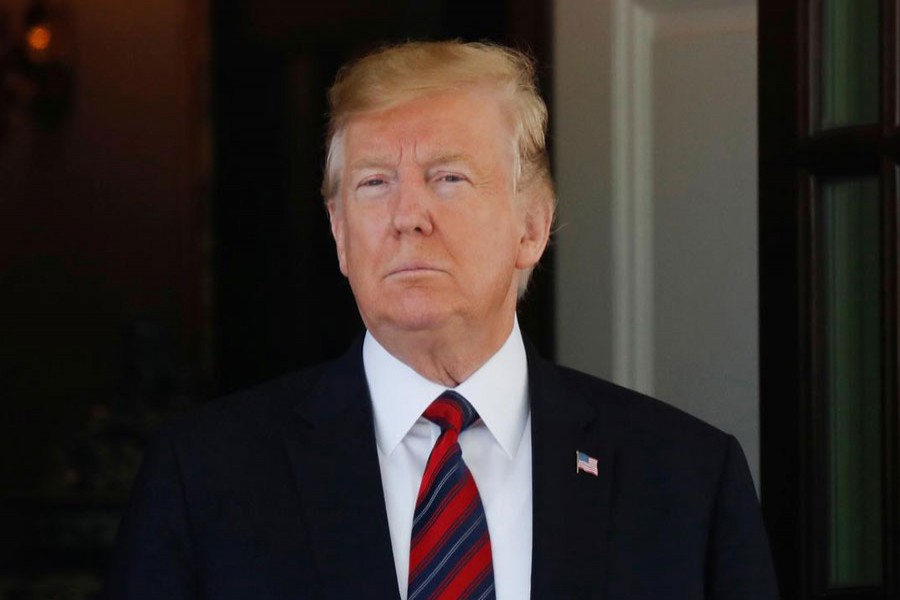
{"x": 276, "y": 493}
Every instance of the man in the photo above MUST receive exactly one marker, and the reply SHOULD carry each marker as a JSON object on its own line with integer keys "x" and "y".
{"x": 441, "y": 457}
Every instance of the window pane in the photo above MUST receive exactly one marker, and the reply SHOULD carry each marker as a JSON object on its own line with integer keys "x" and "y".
{"x": 850, "y": 57}
{"x": 850, "y": 229}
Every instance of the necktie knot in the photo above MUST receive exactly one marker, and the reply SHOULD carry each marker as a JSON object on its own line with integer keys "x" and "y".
{"x": 451, "y": 411}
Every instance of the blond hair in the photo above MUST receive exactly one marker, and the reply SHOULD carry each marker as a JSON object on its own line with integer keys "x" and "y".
{"x": 396, "y": 74}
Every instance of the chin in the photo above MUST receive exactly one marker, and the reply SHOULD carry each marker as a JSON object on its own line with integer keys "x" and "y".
{"x": 419, "y": 320}
{"x": 413, "y": 308}
{"x": 417, "y": 312}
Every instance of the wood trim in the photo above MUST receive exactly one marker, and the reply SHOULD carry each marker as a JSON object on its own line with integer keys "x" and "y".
{"x": 890, "y": 46}
{"x": 890, "y": 106}
{"x": 890, "y": 374}
{"x": 782, "y": 436}
{"x": 849, "y": 593}
{"x": 632, "y": 196}
{"x": 847, "y": 151}
{"x": 813, "y": 416}
{"x": 198, "y": 301}
{"x": 817, "y": 414}
{"x": 890, "y": 118}
{"x": 809, "y": 106}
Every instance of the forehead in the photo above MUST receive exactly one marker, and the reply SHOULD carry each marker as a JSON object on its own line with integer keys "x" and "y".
{"x": 471, "y": 122}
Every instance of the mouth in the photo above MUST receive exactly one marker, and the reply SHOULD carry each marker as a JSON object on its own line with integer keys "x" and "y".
{"x": 416, "y": 268}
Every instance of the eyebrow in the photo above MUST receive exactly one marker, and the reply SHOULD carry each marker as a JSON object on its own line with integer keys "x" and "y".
{"x": 377, "y": 162}
{"x": 450, "y": 158}
{"x": 439, "y": 158}
{"x": 374, "y": 162}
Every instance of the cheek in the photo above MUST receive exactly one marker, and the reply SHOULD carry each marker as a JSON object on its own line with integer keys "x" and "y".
{"x": 361, "y": 244}
{"x": 493, "y": 248}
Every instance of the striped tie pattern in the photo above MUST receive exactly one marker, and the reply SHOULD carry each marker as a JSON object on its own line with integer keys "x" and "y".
{"x": 450, "y": 551}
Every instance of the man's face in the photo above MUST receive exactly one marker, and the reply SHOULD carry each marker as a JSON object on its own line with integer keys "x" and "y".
{"x": 427, "y": 227}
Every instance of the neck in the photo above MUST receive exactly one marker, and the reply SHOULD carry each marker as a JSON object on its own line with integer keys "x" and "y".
{"x": 446, "y": 356}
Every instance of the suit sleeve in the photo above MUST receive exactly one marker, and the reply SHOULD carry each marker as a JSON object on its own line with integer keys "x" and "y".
{"x": 740, "y": 563}
{"x": 152, "y": 557}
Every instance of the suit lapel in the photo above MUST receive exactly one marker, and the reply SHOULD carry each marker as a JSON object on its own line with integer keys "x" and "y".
{"x": 336, "y": 467}
{"x": 571, "y": 510}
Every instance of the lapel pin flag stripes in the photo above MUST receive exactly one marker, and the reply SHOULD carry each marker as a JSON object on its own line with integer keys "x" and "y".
{"x": 585, "y": 463}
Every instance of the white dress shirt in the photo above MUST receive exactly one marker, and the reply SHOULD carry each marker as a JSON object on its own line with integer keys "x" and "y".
{"x": 497, "y": 451}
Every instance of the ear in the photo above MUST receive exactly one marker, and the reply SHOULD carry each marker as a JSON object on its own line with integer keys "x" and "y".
{"x": 338, "y": 226}
{"x": 538, "y": 218}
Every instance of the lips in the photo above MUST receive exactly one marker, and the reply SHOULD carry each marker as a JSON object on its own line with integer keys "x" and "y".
{"x": 414, "y": 268}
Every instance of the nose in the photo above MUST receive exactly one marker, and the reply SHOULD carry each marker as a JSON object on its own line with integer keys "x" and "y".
{"x": 411, "y": 212}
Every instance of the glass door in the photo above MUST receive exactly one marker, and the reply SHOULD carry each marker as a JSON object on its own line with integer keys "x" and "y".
{"x": 829, "y": 156}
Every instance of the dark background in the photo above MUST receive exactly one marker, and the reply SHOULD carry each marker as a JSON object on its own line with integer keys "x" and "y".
{"x": 163, "y": 240}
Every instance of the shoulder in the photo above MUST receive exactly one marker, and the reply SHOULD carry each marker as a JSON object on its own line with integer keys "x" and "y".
{"x": 268, "y": 408}
{"x": 669, "y": 472}
{"x": 632, "y": 408}
{"x": 237, "y": 424}
{"x": 261, "y": 402}
{"x": 634, "y": 422}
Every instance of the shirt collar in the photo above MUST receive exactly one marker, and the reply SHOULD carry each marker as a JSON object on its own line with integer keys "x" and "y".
{"x": 498, "y": 390}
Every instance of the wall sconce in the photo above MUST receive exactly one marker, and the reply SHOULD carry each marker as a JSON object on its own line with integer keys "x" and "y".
{"x": 35, "y": 64}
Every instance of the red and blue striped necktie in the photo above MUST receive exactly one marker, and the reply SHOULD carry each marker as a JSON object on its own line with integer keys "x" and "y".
{"x": 450, "y": 552}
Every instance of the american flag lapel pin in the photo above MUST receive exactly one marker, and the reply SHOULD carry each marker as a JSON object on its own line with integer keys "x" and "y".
{"x": 585, "y": 463}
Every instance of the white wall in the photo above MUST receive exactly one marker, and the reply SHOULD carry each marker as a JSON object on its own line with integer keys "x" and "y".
{"x": 582, "y": 72}
{"x": 655, "y": 147}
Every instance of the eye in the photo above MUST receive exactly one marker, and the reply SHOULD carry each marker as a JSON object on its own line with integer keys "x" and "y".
{"x": 450, "y": 178}
{"x": 372, "y": 182}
